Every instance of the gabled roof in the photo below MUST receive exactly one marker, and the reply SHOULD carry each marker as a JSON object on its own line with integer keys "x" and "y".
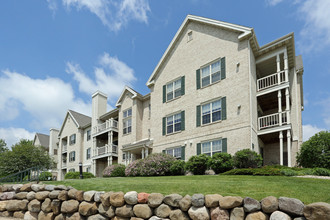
{"x": 245, "y": 32}
{"x": 80, "y": 120}
{"x": 130, "y": 90}
{"x": 43, "y": 139}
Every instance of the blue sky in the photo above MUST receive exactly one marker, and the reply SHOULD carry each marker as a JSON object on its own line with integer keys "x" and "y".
{"x": 54, "y": 54}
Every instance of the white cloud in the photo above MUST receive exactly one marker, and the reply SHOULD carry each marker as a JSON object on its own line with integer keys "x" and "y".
{"x": 110, "y": 77}
{"x": 52, "y": 5}
{"x": 309, "y": 131}
{"x": 14, "y": 135}
{"x": 46, "y": 100}
{"x": 114, "y": 15}
{"x": 274, "y": 2}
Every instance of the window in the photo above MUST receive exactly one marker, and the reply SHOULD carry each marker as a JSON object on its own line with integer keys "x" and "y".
{"x": 72, "y": 170}
{"x": 211, "y": 112}
{"x": 88, "y": 169}
{"x": 211, "y": 73}
{"x": 173, "y": 89}
{"x": 72, "y": 156}
{"x": 124, "y": 156}
{"x": 88, "y": 153}
{"x": 127, "y": 121}
{"x": 175, "y": 152}
{"x": 88, "y": 135}
{"x": 174, "y": 123}
{"x": 211, "y": 147}
{"x": 72, "y": 139}
{"x": 55, "y": 151}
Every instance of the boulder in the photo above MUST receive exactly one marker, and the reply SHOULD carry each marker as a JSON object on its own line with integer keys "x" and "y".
{"x": 131, "y": 198}
{"x": 87, "y": 208}
{"x": 177, "y": 214}
{"x": 185, "y": 203}
{"x": 117, "y": 199}
{"x": 237, "y": 213}
{"x": 72, "y": 193}
{"x": 251, "y": 205}
{"x": 143, "y": 198}
{"x": 97, "y": 196}
{"x": 17, "y": 205}
{"x": 31, "y": 195}
{"x": 198, "y": 200}
{"x": 26, "y": 187}
{"x": 70, "y": 206}
{"x": 54, "y": 194}
{"x": 73, "y": 216}
{"x": 49, "y": 187}
{"x": 42, "y": 195}
{"x": 89, "y": 196}
{"x": 56, "y": 206}
{"x": 3, "y": 205}
{"x": 163, "y": 211}
{"x": 291, "y": 206}
{"x": 317, "y": 210}
{"x": 37, "y": 187}
{"x": 142, "y": 211}
{"x": 229, "y": 202}
{"x": 96, "y": 217}
{"x": 108, "y": 211}
{"x": 277, "y": 215}
{"x": 6, "y": 214}
{"x": 61, "y": 187}
{"x": 212, "y": 200}
{"x": 60, "y": 217}
{"x": 173, "y": 200}
{"x": 46, "y": 205}
{"x": 155, "y": 199}
{"x": 19, "y": 214}
{"x": 34, "y": 206}
{"x": 199, "y": 213}
{"x": 257, "y": 216}
{"x": 269, "y": 204}
{"x": 125, "y": 211}
{"x": 17, "y": 187}
{"x": 79, "y": 195}
{"x": 219, "y": 214}
{"x": 30, "y": 215}
{"x": 7, "y": 196}
{"x": 105, "y": 198}
{"x": 63, "y": 195}
{"x": 21, "y": 195}
{"x": 45, "y": 216}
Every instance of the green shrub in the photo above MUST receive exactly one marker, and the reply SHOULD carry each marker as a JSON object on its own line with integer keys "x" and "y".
{"x": 220, "y": 162}
{"x": 177, "y": 168}
{"x": 289, "y": 172}
{"x": 197, "y": 164}
{"x": 44, "y": 176}
{"x": 321, "y": 172}
{"x": 76, "y": 175}
{"x": 114, "y": 170}
{"x": 316, "y": 151}
{"x": 247, "y": 159}
{"x": 254, "y": 172}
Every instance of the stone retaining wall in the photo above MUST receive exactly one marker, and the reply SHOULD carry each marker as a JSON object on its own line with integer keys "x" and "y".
{"x": 49, "y": 202}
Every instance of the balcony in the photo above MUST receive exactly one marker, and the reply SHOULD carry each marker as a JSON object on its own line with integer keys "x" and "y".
{"x": 64, "y": 165}
{"x": 107, "y": 149}
{"x": 273, "y": 120}
{"x": 64, "y": 148}
{"x": 271, "y": 81}
{"x": 108, "y": 125}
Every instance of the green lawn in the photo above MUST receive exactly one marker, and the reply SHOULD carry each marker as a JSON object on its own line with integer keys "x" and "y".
{"x": 257, "y": 187}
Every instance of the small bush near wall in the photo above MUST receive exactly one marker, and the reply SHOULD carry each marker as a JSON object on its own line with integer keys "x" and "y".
{"x": 134, "y": 168}
{"x": 115, "y": 170}
{"x": 220, "y": 162}
{"x": 177, "y": 168}
{"x": 197, "y": 164}
{"x": 247, "y": 159}
{"x": 44, "y": 176}
{"x": 76, "y": 175}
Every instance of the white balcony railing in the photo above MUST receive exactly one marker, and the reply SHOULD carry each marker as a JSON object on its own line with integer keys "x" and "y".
{"x": 272, "y": 120}
{"x": 64, "y": 148}
{"x": 107, "y": 125}
{"x": 106, "y": 150}
{"x": 64, "y": 164}
{"x": 271, "y": 80}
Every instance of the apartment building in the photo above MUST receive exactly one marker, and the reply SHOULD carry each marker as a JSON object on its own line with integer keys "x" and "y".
{"x": 214, "y": 90}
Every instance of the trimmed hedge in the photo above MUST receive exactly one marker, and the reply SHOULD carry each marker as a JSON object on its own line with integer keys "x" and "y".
{"x": 76, "y": 175}
{"x": 115, "y": 170}
{"x": 220, "y": 162}
{"x": 197, "y": 164}
{"x": 247, "y": 159}
{"x": 177, "y": 168}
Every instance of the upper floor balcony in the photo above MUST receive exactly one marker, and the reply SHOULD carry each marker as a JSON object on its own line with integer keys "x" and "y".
{"x": 271, "y": 80}
{"x": 108, "y": 125}
{"x": 64, "y": 149}
{"x": 105, "y": 150}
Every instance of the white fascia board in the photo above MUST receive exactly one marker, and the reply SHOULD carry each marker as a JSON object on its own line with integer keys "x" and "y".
{"x": 118, "y": 103}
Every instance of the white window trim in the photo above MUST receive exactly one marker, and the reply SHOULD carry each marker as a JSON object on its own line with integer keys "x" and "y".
{"x": 211, "y": 119}
{"x": 210, "y": 73}
{"x": 125, "y": 121}
{"x": 75, "y": 139}
{"x": 88, "y": 137}
{"x": 90, "y": 155}
{"x": 172, "y": 115}
{"x": 173, "y": 148}
{"x": 71, "y": 157}
{"x": 211, "y": 142}
{"x": 173, "y": 83}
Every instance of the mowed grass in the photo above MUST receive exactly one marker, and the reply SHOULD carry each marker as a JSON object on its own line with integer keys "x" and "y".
{"x": 257, "y": 187}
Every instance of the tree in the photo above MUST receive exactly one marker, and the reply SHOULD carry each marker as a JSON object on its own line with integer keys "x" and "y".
{"x": 3, "y": 146}
{"x": 316, "y": 151}
{"x": 24, "y": 155}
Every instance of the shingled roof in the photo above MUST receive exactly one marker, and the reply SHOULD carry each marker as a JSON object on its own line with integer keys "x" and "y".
{"x": 43, "y": 139}
{"x": 82, "y": 120}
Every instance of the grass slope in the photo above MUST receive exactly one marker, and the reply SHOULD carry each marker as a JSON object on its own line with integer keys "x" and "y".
{"x": 257, "y": 187}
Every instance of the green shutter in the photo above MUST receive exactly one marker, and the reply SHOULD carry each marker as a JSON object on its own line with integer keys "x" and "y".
{"x": 224, "y": 145}
{"x": 183, "y": 153}
{"x": 223, "y": 68}
{"x": 182, "y": 121}
{"x": 182, "y": 85}
{"x": 198, "y": 116}
{"x": 223, "y": 108}
{"x": 199, "y": 150}
{"x": 198, "y": 78}
{"x": 164, "y": 126}
{"x": 164, "y": 151}
{"x": 164, "y": 93}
